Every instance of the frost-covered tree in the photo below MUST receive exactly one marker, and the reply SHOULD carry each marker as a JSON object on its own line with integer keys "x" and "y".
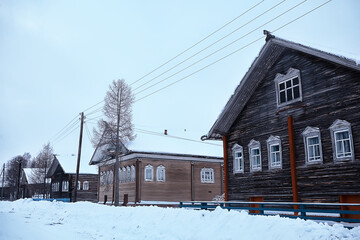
{"x": 41, "y": 165}
{"x": 13, "y": 173}
{"x": 117, "y": 125}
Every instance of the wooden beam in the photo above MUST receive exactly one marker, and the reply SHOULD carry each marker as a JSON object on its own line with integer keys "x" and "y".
{"x": 292, "y": 159}
{"x": 225, "y": 168}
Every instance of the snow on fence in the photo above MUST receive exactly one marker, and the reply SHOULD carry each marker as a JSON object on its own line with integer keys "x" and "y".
{"x": 338, "y": 212}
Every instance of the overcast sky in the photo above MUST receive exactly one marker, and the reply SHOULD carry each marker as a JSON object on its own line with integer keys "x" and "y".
{"x": 57, "y": 58}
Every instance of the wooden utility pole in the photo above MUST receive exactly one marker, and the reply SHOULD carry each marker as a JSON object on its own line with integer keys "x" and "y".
{"x": 79, "y": 155}
{"x": 18, "y": 181}
{"x": 2, "y": 183}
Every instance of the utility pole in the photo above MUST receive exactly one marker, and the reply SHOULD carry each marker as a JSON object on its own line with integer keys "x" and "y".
{"x": 2, "y": 183}
{"x": 79, "y": 155}
{"x": 18, "y": 181}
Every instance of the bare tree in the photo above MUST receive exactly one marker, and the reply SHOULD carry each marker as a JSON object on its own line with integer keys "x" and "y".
{"x": 117, "y": 125}
{"x": 41, "y": 165}
{"x": 13, "y": 173}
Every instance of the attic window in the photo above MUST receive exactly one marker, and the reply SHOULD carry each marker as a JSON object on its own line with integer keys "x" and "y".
{"x": 288, "y": 87}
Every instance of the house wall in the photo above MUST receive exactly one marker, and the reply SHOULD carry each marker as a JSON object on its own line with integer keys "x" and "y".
{"x": 330, "y": 92}
{"x": 177, "y": 185}
{"x": 86, "y": 195}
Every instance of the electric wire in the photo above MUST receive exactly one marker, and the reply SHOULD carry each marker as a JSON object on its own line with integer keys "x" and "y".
{"x": 69, "y": 128}
{"x": 59, "y": 140}
{"x": 212, "y": 44}
{"x": 228, "y": 55}
{"x": 63, "y": 128}
{"x": 181, "y": 53}
{"x": 222, "y": 48}
{"x": 172, "y": 136}
{"x": 87, "y": 132}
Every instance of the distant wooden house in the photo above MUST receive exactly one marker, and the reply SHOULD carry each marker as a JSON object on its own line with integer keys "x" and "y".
{"x": 63, "y": 184}
{"x": 291, "y": 129}
{"x": 158, "y": 177}
{"x": 32, "y": 183}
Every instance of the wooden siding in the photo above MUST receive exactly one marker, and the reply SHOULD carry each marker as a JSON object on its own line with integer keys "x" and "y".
{"x": 330, "y": 92}
{"x": 177, "y": 185}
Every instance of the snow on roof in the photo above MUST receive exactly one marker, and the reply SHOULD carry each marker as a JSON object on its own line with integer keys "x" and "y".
{"x": 69, "y": 162}
{"x": 30, "y": 174}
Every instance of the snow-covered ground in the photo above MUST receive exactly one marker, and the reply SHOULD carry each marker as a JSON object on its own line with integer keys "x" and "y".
{"x": 27, "y": 219}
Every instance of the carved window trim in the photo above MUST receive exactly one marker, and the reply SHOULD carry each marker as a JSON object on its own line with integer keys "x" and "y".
{"x": 290, "y": 75}
{"x": 207, "y": 175}
{"x": 311, "y": 133}
{"x": 274, "y": 141}
{"x": 342, "y": 126}
{"x": 237, "y": 160}
{"x": 133, "y": 173}
{"x": 86, "y": 185}
{"x": 150, "y": 176}
{"x": 160, "y": 173}
{"x": 255, "y": 154}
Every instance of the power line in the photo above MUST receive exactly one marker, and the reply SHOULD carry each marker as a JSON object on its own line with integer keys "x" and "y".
{"x": 94, "y": 105}
{"x": 212, "y": 44}
{"x": 56, "y": 142}
{"x": 172, "y": 136}
{"x": 63, "y": 128}
{"x": 222, "y": 48}
{"x": 69, "y": 128}
{"x": 87, "y": 132}
{"x": 234, "y": 51}
{"x": 198, "y": 42}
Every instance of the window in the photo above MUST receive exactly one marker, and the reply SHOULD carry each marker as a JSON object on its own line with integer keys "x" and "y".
{"x": 341, "y": 136}
{"x": 160, "y": 173}
{"x": 85, "y": 185}
{"x": 128, "y": 176}
{"x": 65, "y": 186}
{"x": 207, "y": 175}
{"x": 78, "y": 185}
{"x": 255, "y": 156}
{"x": 124, "y": 174}
{"x": 102, "y": 178}
{"x": 288, "y": 87}
{"x": 149, "y": 173}
{"x": 111, "y": 177}
{"x": 238, "y": 159}
{"x": 120, "y": 175}
{"x": 312, "y": 142}
{"x": 274, "y": 152}
{"x": 55, "y": 187}
{"x": 133, "y": 173}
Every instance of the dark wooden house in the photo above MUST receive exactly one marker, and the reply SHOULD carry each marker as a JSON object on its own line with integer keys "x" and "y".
{"x": 158, "y": 177}
{"x": 291, "y": 129}
{"x": 32, "y": 183}
{"x": 63, "y": 184}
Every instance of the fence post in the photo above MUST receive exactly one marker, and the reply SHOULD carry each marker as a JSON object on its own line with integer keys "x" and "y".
{"x": 204, "y": 206}
{"x": 261, "y": 209}
{"x": 303, "y": 212}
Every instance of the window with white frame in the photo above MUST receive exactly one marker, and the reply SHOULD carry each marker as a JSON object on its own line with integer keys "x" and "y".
{"x": 342, "y": 141}
{"x": 207, "y": 175}
{"x": 65, "y": 186}
{"x": 274, "y": 152}
{"x": 255, "y": 155}
{"x": 160, "y": 173}
{"x": 111, "y": 177}
{"x": 312, "y": 143}
{"x": 55, "y": 187}
{"x": 149, "y": 173}
{"x": 78, "y": 185}
{"x": 85, "y": 185}
{"x": 128, "y": 174}
{"x": 133, "y": 173}
{"x": 124, "y": 174}
{"x": 238, "y": 159}
{"x": 288, "y": 87}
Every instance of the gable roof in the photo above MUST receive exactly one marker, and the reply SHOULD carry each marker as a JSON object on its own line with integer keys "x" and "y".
{"x": 268, "y": 55}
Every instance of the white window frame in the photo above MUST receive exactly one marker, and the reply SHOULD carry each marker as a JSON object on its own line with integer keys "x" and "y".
{"x": 65, "y": 186}
{"x": 274, "y": 141}
{"x": 207, "y": 175}
{"x": 238, "y": 162}
{"x": 79, "y": 185}
{"x": 149, "y": 168}
{"x": 86, "y": 185}
{"x": 308, "y": 133}
{"x": 253, "y": 145}
{"x": 124, "y": 174}
{"x": 128, "y": 174}
{"x": 111, "y": 177}
{"x": 283, "y": 78}
{"x": 120, "y": 175}
{"x": 133, "y": 173}
{"x": 160, "y": 173}
{"x": 337, "y": 127}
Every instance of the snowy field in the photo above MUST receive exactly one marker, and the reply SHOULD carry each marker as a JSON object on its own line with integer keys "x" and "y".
{"x": 27, "y": 219}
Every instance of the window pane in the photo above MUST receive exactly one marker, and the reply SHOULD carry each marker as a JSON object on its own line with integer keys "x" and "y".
{"x": 339, "y": 147}
{"x": 288, "y": 83}
{"x": 313, "y": 140}
{"x": 296, "y": 92}
{"x": 347, "y": 146}
{"x": 317, "y": 150}
{"x": 289, "y": 94}
{"x": 275, "y": 148}
{"x": 295, "y": 81}
{"x": 282, "y": 97}
{"x": 282, "y": 86}
{"x": 311, "y": 152}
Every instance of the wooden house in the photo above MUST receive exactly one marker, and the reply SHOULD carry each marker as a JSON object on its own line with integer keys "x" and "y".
{"x": 63, "y": 183}
{"x": 158, "y": 177}
{"x": 291, "y": 129}
{"x": 32, "y": 183}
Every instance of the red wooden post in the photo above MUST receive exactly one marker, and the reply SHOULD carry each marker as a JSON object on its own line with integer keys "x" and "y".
{"x": 293, "y": 161}
{"x": 225, "y": 168}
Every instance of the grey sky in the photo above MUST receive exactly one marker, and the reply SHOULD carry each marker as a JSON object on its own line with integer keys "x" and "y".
{"x": 57, "y": 58}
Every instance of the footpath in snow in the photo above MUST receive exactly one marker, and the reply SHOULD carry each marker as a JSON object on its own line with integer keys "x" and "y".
{"x": 27, "y": 219}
